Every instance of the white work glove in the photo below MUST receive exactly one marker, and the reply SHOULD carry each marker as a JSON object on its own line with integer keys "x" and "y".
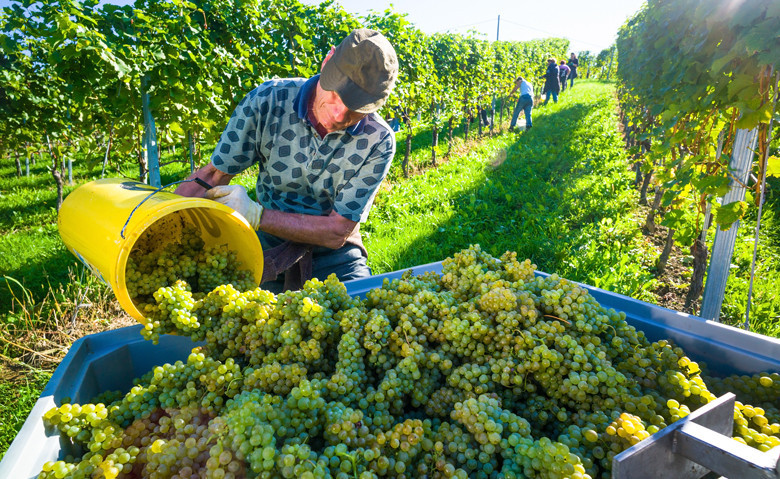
{"x": 235, "y": 197}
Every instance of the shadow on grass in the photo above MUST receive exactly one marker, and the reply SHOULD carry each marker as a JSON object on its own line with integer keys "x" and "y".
{"x": 10, "y": 213}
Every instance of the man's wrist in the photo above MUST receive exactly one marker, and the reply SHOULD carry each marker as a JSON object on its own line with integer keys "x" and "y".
{"x": 260, "y": 211}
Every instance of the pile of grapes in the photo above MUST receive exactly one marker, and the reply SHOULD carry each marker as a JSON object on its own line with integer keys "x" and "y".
{"x": 484, "y": 371}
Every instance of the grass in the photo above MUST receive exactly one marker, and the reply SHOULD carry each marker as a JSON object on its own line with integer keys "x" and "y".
{"x": 558, "y": 194}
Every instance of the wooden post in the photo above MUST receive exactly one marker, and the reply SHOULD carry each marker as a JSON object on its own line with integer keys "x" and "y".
{"x": 191, "y": 147}
{"x": 493, "y": 96}
{"x": 492, "y": 114}
{"x": 18, "y": 166}
{"x": 501, "y": 113}
{"x": 761, "y": 197}
{"x": 723, "y": 247}
{"x": 151, "y": 157}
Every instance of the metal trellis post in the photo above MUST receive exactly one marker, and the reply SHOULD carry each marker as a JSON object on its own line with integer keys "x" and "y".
{"x": 151, "y": 155}
{"x": 723, "y": 247}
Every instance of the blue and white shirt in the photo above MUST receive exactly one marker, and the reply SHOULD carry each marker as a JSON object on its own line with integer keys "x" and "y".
{"x": 299, "y": 171}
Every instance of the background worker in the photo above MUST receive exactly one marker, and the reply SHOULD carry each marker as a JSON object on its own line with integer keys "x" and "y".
{"x": 322, "y": 152}
{"x": 574, "y": 63}
{"x": 525, "y": 102}
{"x": 552, "y": 83}
{"x": 564, "y": 73}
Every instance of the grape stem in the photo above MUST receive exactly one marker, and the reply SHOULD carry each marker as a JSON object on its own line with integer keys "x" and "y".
{"x": 556, "y": 317}
{"x": 351, "y": 458}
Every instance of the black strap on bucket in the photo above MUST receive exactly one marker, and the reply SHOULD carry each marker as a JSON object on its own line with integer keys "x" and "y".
{"x": 196, "y": 180}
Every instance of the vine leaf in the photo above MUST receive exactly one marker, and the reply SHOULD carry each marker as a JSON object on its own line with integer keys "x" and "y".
{"x": 728, "y": 214}
{"x": 713, "y": 185}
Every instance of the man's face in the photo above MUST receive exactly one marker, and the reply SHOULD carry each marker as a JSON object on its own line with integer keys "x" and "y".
{"x": 331, "y": 113}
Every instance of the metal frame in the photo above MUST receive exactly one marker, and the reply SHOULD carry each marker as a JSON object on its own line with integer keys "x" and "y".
{"x": 695, "y": 445}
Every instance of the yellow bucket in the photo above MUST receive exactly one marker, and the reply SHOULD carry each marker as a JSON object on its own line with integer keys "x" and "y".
{"x": 101, "y": 221}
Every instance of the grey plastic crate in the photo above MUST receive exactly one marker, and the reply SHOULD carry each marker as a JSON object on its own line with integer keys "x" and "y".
{"x": 111, "y": 360}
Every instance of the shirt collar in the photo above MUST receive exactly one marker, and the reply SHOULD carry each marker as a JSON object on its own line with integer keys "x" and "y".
{"x": 301, "y": 105}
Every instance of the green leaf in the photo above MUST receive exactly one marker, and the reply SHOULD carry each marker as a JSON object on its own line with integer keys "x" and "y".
{"x": 720, "y": 63}
{"x": 726, "y": 215}
{"x": 713, "y": 185}
{"x": 752, "y": 118}
{"x": 741, "y": 82}
{"x": 746, "y": 14}
{"x": 175, "y": 127}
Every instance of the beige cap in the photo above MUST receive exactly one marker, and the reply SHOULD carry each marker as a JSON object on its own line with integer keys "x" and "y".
{"x": 362, "y": 70}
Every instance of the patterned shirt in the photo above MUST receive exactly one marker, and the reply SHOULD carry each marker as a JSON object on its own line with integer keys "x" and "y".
{"x": 300, "y": 172}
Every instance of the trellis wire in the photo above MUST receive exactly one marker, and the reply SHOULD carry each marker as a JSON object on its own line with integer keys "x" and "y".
{"x": 761, "y": 204}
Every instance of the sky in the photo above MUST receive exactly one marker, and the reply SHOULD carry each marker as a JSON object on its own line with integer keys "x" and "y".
{"x": 588, "y": 24}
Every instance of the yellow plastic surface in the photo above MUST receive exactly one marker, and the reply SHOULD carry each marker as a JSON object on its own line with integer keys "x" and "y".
{"x": 92, "y": 216}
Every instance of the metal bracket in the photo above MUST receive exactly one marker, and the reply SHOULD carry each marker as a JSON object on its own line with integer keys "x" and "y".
{"x": 695, "y": 445}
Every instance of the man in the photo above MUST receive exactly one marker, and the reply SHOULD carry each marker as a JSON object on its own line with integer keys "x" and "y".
{"x": 552, "y": 84}
{"x": 322, "y": 153}
{"x": 525, "y": 102}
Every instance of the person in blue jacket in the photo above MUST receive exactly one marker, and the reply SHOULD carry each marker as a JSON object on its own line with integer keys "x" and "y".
{"x": 552, "y": 82}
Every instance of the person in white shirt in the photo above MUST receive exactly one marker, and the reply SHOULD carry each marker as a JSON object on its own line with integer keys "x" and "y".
{"x": 525, "y": 102}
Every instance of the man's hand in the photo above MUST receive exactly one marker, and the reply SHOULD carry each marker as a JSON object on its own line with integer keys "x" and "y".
{"x": 210, "y": 174}
{"x": 235, "y": 196}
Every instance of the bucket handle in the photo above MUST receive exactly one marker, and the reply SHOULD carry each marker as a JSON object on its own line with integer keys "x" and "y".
{"x": 196, "y": 180}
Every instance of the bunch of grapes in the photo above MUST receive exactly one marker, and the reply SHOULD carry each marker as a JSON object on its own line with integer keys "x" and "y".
{"x": 156, "y": 263}
{"x": 485, "y": 371}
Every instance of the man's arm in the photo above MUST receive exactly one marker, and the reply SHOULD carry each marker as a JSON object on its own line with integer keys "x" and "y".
{"x": 518, "y": 82}
{"x": 210, "y": 174}
{"x": 330, "y": 231}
